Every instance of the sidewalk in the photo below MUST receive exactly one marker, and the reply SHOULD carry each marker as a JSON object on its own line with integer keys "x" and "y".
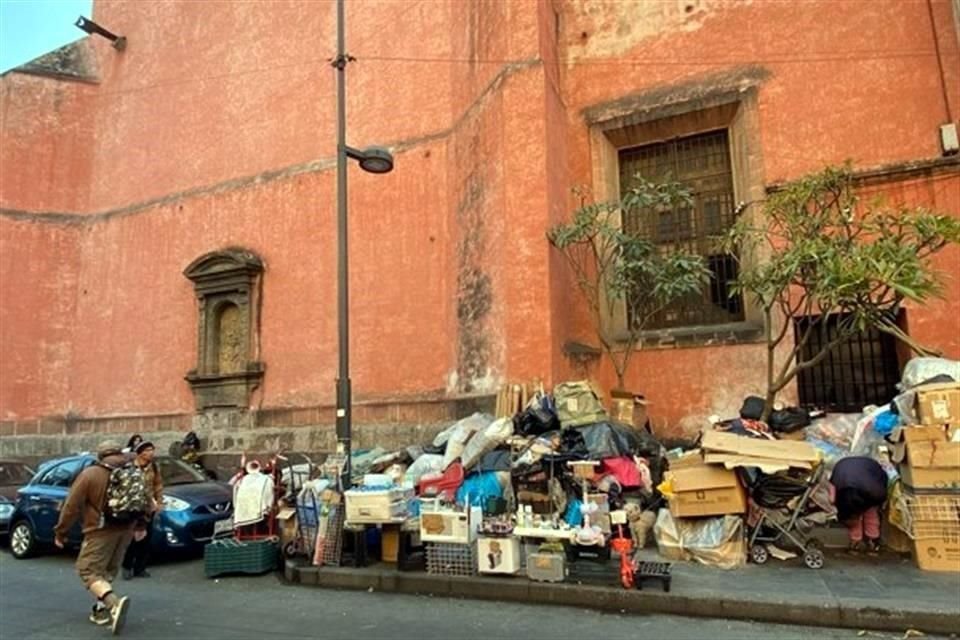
{"x": 887, "y": 593}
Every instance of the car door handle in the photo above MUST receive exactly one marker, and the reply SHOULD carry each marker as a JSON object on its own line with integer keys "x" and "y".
{"x": 35, "y": 499}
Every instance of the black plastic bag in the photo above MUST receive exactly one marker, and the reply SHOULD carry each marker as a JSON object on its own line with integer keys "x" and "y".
{"x": 534, "y": 421}
{"x": 789, "y": 420}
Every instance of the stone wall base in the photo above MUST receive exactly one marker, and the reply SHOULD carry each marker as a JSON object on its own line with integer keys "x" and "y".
{"x": 390, "y": 425}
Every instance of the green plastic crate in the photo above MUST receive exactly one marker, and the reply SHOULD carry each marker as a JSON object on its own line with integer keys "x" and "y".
{"x": 232, "y": 556}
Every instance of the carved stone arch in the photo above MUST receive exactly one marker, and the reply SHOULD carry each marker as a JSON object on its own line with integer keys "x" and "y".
{"x": 226, "y": 284}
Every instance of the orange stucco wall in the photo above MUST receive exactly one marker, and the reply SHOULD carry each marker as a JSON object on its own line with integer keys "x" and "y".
{"x": 216, "y": 128}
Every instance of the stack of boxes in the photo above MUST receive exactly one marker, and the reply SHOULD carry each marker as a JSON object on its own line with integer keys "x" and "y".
{"x": 928, "y": 456}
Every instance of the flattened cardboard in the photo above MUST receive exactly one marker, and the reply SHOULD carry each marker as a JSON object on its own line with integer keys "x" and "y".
{"x": 776, "y": 449}
{"x": 767, "y": 465}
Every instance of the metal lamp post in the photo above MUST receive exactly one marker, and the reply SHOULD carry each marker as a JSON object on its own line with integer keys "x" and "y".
{"x": 373, "y": 160}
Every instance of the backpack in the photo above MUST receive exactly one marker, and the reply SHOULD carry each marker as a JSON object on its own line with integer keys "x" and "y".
{"x": 577, "y": 404}
{"x": 127, "y": 496}
{"x": 752, "y": 408}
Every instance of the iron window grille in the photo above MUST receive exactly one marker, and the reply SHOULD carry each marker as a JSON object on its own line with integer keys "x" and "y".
{"x": 861, "y": 371}
{"x": 702, "y": 162}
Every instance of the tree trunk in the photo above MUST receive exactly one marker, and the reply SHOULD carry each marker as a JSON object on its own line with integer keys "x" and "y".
{"x": 771, "y": 353}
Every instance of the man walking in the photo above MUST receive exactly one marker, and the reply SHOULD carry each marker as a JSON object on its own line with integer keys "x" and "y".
{"x": 105, "y": 539}
{"x": 135, "y": 560}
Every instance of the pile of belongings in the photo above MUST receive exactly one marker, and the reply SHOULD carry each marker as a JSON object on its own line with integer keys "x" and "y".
{"x": 497, "y": 463}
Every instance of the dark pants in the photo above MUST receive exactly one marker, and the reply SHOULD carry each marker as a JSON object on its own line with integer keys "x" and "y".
{"x": 137, "y": 555}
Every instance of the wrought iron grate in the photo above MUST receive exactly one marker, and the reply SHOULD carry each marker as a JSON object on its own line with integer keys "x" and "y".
{"x": 859, "y": 372}
{"x": 702, "y": 162}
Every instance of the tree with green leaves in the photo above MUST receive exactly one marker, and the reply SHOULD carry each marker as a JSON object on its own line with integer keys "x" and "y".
{"x": 617, "y": 271}
{"x": 816, "y": 249}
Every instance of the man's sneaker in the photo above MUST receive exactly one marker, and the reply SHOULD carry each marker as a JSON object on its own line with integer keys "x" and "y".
{"x": 873, "y": 547}
{"x": 118, "y": 614}
{"x": 142, "y": 574}
{"x": 100, "y": 615}
{"x": 855, "y": 548}
{"x": 128, "y": 574}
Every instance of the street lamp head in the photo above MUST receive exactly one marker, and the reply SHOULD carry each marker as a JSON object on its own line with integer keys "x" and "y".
{"x": 376, "y": 160}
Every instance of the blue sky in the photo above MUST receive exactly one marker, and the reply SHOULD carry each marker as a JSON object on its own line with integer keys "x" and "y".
{"x": 29, "y": 28}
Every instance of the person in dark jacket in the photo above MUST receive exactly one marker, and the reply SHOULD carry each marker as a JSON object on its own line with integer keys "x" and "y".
{"x": 104, "y": 543}
{"x": 859, "y": 487}
{"x": 135, "y": 560}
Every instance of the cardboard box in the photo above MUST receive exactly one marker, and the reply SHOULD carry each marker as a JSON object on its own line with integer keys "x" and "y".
{"x": 903, "y": 437}
{"x": 688, "y": 459}
{"x": 498, "y": 555}
{"x": 706, "y": 490}
{"x": 287, "y": 519}
{"x": 390, "y": 543}
{"x": 928, "y": 460}
{"x": 940, "y": 551}
{"x": 933, "y": 522}
{"x": 939, "y": 403}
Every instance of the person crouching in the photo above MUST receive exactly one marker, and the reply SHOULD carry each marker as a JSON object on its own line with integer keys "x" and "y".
{"x": 859, "y": 488}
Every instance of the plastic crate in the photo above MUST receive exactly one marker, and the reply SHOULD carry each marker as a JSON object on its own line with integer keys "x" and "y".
{"x": 446, "y": 559}
{"x": 222, "y": 557}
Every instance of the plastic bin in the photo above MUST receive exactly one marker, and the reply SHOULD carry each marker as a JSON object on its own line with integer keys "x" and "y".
{"x": 222, "y": 557}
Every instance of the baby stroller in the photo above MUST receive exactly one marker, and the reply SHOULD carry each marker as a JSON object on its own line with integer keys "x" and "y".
{"x": 787, "y": 506}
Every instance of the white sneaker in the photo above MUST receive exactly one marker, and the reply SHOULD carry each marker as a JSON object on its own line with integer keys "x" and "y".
{"x": 118, "y": 615}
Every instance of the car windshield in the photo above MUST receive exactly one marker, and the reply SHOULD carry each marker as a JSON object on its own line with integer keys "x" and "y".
{"x": 176, "y": 472}
{"x": 14, "y": 473}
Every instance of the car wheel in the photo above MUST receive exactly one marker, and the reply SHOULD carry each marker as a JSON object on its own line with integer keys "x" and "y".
{"x": 23, "y": 543}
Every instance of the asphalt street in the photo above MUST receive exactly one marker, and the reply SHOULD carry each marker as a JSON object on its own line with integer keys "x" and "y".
{"x": 43, "y": 598}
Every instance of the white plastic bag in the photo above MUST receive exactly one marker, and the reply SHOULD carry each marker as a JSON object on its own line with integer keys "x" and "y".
{"x": 424, "y": 465}
{"x": 919, "y": 370}
{"x": 485, "y": 441}
{"x": 461, "y": 434}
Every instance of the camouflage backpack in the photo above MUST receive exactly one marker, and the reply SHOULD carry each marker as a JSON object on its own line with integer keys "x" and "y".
{"x": 577, "y": 404}
{"x": 127, "y": 495}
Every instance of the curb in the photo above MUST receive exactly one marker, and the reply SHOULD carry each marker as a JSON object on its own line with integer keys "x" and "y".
{"x": 649, "y": 601}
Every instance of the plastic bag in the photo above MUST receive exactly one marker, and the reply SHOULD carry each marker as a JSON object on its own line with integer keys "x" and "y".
{"x": 485, "y": 441}
{"x": 716, "y": 542}
{"x": 472, "y": 423}
{"x": 919, "y": 370}
{"x": 837, "y": 429}
{"x": 460, "y": 434}
{"x": 610, "y": 439}
{"x": 477, "y": 487}
{"x": 425, "y": 464}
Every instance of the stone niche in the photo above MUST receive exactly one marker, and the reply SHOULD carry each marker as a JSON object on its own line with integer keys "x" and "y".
{"x": 227, "y": 288}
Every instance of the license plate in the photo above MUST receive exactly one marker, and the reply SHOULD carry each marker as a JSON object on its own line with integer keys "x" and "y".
{"x": 222, "y": 526}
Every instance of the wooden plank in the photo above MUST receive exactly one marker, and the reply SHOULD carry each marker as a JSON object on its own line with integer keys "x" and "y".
{"x": 717, "y": 441}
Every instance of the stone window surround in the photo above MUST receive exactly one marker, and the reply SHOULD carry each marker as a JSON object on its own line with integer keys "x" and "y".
{"x": 725, "y": 101}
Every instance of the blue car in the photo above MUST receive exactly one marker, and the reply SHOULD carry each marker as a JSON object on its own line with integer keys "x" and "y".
{"x": 192, "y": 507}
